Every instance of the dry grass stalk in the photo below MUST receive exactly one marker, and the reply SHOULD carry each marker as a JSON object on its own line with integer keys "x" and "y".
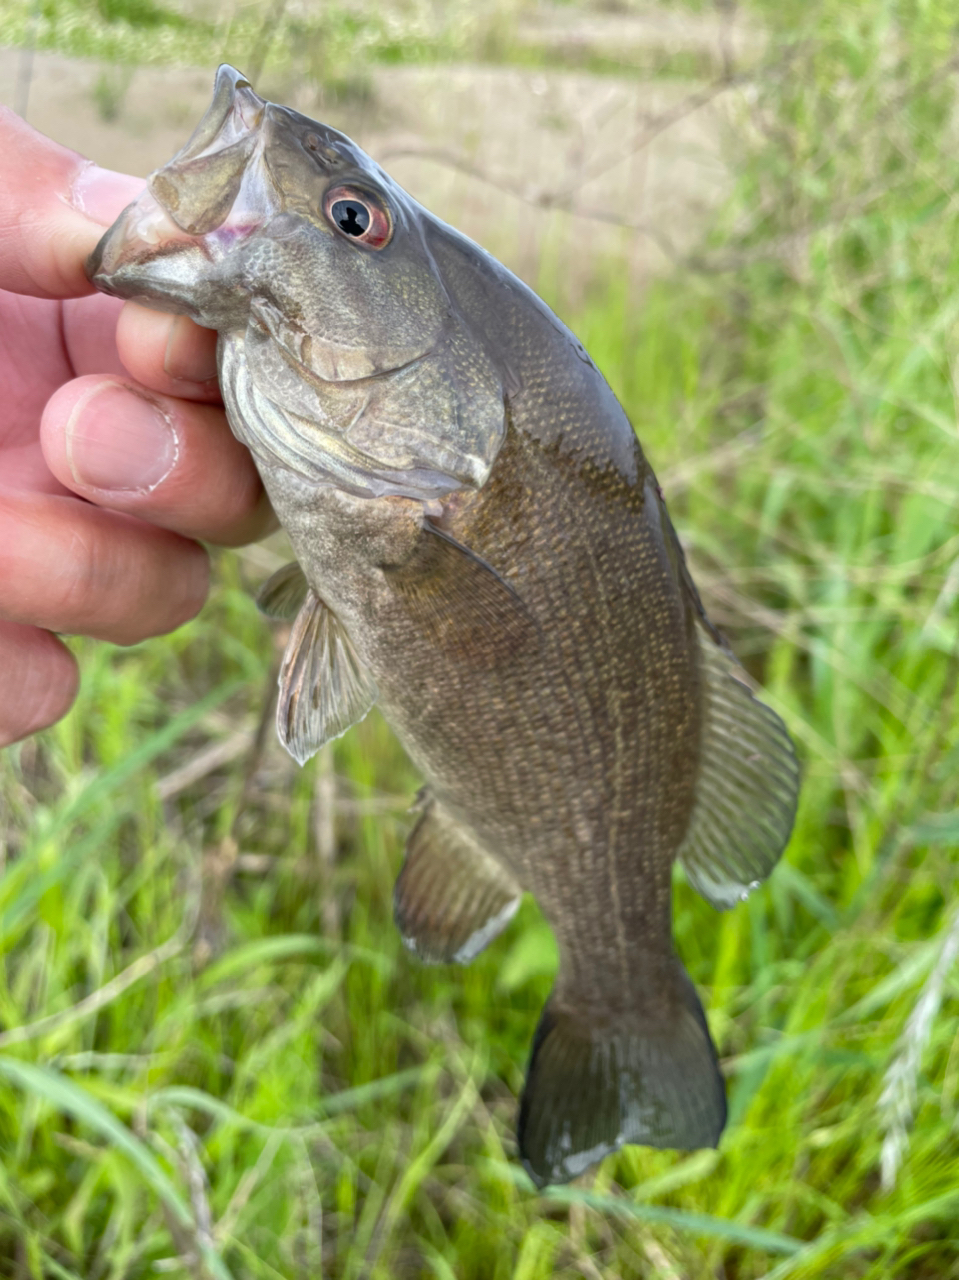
{"x": 897, "y": 1103}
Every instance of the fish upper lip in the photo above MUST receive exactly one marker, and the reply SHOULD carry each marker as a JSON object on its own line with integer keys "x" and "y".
{"x": 199, "y": 187}
{"x": 233, "y": 95}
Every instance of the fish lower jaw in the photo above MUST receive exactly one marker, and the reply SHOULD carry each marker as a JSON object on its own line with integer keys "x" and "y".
{"x": 143, "y": 232}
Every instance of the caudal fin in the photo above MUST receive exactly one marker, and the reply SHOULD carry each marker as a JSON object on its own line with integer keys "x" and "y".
{"x": 594, "y": 1085}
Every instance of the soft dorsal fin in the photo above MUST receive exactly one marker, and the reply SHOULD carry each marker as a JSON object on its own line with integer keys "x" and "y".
{"x": 461, "y": 602}
{"x": 677, "y": 558}
{"x": 282, "y": 595}
{"x": 451, "y": 897}
{"x": 324, "y": 687}
{"x": 747, "y": 788}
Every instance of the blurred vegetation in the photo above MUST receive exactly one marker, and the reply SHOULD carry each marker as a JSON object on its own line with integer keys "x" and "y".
{"x": 329, "y": 43}
{"x": 216, "y": 1058}
{"x": 334, "y": 46}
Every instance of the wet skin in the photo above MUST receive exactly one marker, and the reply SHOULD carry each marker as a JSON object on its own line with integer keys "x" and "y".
{"x": 483, "y": 550}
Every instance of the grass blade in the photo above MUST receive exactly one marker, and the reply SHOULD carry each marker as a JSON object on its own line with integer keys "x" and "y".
{"x": 700, "y": 1224}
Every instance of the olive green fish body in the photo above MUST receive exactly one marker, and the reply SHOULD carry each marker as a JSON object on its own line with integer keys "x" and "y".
{"x": 574, "y": 763}
{"x": 483, "y": 550}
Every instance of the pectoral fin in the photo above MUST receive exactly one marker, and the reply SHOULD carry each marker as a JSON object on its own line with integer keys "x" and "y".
{"x": 452, "y": 897}
{"x": 747, "y": 789}
{"x": 324, "y": 687}
{"x": 461, "y": 602}
{"x": 283, "y": 594}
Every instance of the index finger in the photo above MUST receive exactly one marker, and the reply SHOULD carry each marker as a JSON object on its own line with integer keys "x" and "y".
{"x": 54, "y": 205}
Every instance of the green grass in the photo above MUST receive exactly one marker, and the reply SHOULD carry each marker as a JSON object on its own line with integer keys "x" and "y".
{"x": 216, "y": 1057}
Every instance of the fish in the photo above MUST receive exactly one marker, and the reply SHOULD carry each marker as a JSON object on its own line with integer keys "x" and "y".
{"x": 482, "y": 550}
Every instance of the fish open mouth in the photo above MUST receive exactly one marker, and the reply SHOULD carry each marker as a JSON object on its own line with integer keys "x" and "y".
{"x": 200, "y": 185}
{"x": 235, "y": 111}
{"x": 213, "y": 193}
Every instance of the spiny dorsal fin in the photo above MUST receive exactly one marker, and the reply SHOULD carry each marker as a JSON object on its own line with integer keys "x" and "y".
{"x": 461, "y": 602}
{"x": 324, "y": 687}
{"x": 451, "y": 897}
{"x": 747, "y": 788}
{"x": 282, "y": 595}
{"x": 597, "y": 1081}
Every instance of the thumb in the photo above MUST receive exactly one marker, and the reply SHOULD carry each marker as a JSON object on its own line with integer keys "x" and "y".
{"x": 54, "y": 206}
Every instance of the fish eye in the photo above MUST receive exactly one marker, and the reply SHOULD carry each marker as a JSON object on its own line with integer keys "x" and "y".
{"x": 359, "y": 215}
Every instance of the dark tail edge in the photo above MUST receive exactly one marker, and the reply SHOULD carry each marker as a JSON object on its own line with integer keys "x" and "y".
{"x": 594, "y": 1084}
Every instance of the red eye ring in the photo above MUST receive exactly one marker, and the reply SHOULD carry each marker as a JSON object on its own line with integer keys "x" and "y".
{"x": 358, "y": 215}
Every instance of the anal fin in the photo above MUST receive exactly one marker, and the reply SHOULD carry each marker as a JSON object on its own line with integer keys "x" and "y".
{"x": 598, "y": 1081}
{"x": 747, "y": 788}
{"x": 324, "y": 688}
{"x": 451, "y": 897}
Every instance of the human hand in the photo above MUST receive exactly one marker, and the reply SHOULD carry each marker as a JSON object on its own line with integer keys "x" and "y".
{"x": 115, "y": 453}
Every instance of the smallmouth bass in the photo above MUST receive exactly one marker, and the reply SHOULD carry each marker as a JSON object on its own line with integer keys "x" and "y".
{"x": 483, "y": 550}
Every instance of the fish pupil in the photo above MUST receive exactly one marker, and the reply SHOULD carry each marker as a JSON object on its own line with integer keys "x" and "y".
{"x": 351, "y": 217}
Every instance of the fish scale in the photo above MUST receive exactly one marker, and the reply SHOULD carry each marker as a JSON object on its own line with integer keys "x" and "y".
{"x": 590, "y": 661}
{"x": 482, "y": 549}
